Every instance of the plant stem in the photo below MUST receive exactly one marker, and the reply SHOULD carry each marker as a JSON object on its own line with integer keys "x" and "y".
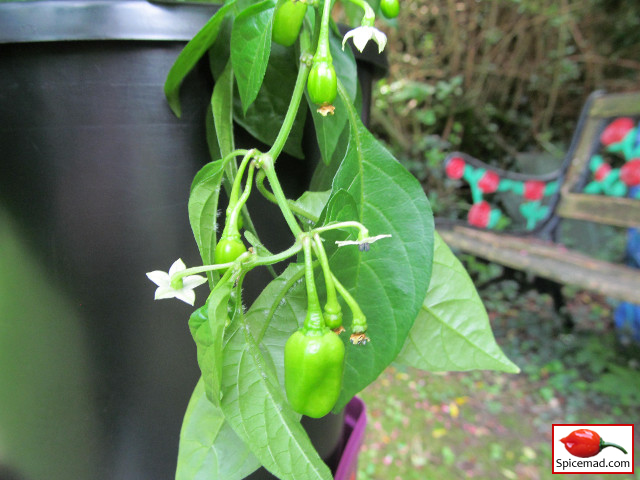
{"x": 313, "y": 322}
{"x": 271, "y": 197}
{"x": 237, "y": 183}
{"x": 368, "y": 20}
{"x": 271, "y": 259}
{"x": 323, "y": 52}
{"x": 359, "y": 323}
{"x": 296, "y": 98}
{"x": 267, "y": 165}
{"x": 364, "y": 232}
{"x": 332, "y": 299}
{"x": 232, "y": 222}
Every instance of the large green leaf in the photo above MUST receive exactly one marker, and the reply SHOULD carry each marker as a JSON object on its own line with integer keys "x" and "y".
{"x": 203, "y": 208}
{"x": 390, "y": 281}
{"x": 192, "y": 52}
{"x": 452, "y": 330}
{"x": 278, "y": 312}
{"x": 209, "y": 448}
{"x": 250, "y": 48}
{"x": 207, "y": 326}
{"x": 266, "y": 114}
{"x": 253, "y": 403}
{"x": 222, "y": 110}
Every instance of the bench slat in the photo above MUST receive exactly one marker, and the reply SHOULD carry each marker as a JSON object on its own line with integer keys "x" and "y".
{"x": 620, "y": 212}
{"x": 547, "y": 260}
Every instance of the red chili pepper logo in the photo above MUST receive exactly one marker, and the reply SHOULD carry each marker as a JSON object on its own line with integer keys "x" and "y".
{"x": 586, "y": 443}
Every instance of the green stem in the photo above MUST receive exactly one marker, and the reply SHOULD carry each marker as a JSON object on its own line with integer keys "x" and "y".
{"x": 369, "y": 18}
{"x": 266, "y": 163}
{"x": 359, "y": 322}
{"x": 604, "y": 444}
{"x": 296, "y": 98}
{"x": 237, "y": 182}
{"x": 323, "y": 52}
{"x": 176, "y": 278}
{"x": 271, "y": 259}
{"x": 364, "y": 232}
{"x": 332, "y": 300}
{"x": 271, "y": 197}
{"x": 233, "y": 218}
{"x": 313, "y": 322}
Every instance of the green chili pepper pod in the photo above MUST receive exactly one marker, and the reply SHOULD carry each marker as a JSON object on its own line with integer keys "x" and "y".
{"x": 287, "y": 22}
{"x": 229, "y": 249}
{"x": 322, "y": 83}
{"x": 313, "y": 370}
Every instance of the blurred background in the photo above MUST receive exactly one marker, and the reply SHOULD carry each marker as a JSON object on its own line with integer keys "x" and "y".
{"x": 504, "y": 80}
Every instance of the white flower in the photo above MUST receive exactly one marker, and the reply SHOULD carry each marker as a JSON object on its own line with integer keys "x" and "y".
{"x": 362, "y": 35}
{"x": 165, "y": 290}
{"x": 363, "y": 244}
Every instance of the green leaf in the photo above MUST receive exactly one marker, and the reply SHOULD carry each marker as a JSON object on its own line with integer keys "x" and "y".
{"x": 203, "y": 208}
{"x": 209, "y": 448}
{"x": 452, "y": 330}
{"x": 222, "y": 110}
{"x": 390, "y": 281}
{"x": 324, "y": 173}
{"x": 278, "y": 312}
{"x": 250, "y": 48}
{"x": 253, "y": 403}
{"x": 266, "y": 114}
{"x": 312, "y": 204}
{"x": 328, "y": 128}
{"x": 192, "y": 52}
{"x": 207, "y": 326}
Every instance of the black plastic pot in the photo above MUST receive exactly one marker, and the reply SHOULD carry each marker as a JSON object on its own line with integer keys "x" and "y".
{"x": 94, "y": 178}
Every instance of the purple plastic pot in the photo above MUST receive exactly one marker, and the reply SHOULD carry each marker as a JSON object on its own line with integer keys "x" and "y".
{"x": 355, "y": 423}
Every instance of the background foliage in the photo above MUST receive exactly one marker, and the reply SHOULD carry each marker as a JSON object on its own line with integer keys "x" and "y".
{"x": 496, "y": 78}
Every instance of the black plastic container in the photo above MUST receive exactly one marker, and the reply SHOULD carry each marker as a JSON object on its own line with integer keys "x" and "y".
{"x": 94, "y": 179}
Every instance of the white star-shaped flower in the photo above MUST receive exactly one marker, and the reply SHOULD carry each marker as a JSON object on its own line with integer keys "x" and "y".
{"x": 362, "y": 35}
{"x": 363, "y": 244}
{"x": 165, "y": 290}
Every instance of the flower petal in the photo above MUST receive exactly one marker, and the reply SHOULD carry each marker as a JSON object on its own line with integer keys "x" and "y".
{"x": 361, "y": 38}
{"x": 177, "y": 266}
{"x": 346, "y": 37}
{"x": 380, "y": 38}
{"x": 164, "y": 292}
{"x": 159, "y": 277}
{"x": 192, "y": 281}
{"x": 186, "y": 295}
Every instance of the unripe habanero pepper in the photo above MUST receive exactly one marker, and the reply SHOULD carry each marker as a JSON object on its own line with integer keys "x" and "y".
{"x": 586, "y": 443}
{"x": 322, "y": 83}
{"x": 390, "y": 8}
{"x": 287, "y": 22}
{"x": 313, "y": 356}
{"x": 313, "y": 370}
{"x": 228, "y": 249}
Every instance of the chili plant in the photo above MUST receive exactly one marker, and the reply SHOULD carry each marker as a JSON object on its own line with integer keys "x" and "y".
{"x": 368, "y": 281}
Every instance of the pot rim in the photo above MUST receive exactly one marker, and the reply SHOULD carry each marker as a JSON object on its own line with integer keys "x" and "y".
{"x": 69, "y": 20}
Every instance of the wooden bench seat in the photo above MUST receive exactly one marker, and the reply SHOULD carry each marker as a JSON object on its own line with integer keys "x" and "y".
{"x": 599, "y": 181}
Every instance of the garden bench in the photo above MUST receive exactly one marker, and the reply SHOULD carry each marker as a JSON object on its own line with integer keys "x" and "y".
{"x": 598, "y": 181}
